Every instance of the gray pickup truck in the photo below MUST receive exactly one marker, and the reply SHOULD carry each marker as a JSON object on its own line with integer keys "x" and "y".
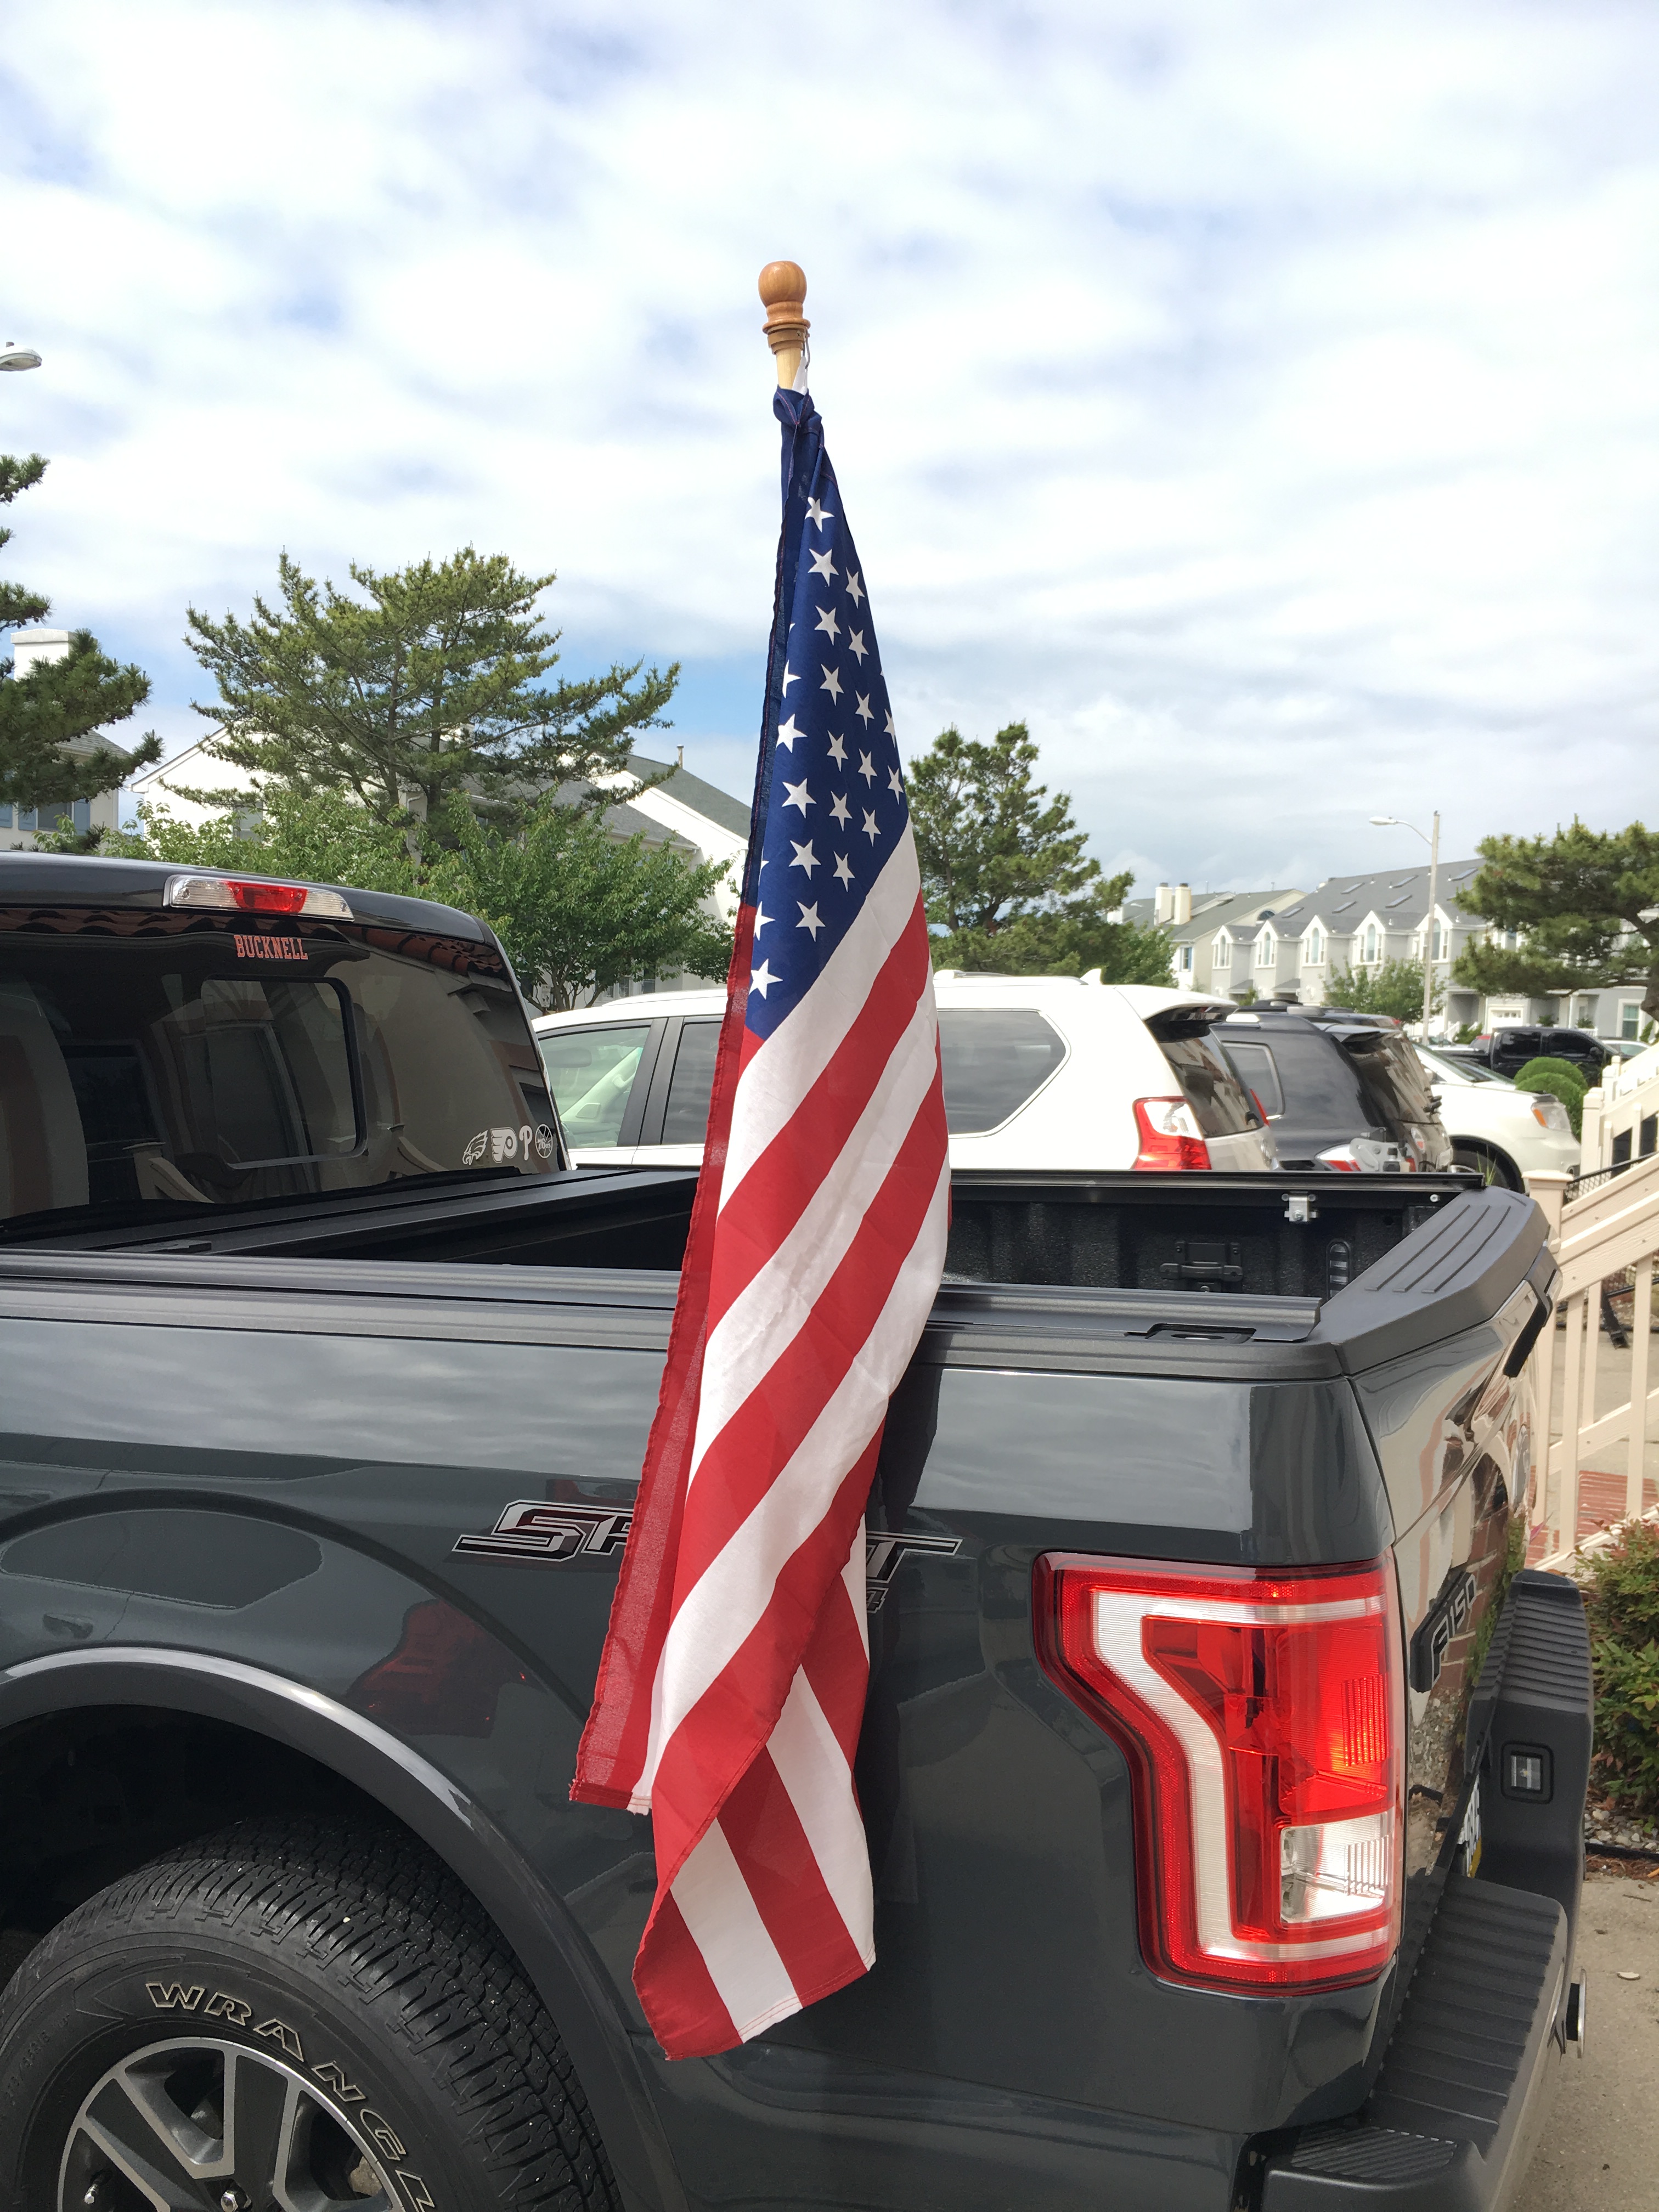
{"x": 1223, "y": 1772}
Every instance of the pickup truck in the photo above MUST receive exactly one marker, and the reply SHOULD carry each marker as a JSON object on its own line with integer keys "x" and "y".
{"x": 1223, "y": 1772}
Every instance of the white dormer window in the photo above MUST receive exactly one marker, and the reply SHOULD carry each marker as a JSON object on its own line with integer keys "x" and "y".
{"x": 1186, "y": 959}
{"x": 1438, "y": 952}
{"x": 1371, "y": 943}
{"x": 1264, "y": 950}
{"x": 1313, "y": 947}
{"x": 1223, "y": 952}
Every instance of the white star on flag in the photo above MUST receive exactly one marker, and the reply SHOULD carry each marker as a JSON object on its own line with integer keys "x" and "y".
{"x": 837, "y": 752}
{"x": 797, "y": 794}
{"x": 804, "y": 858}
{"x": 856, "y": 646}
{"x": 816, "y": 515}
{"x": 863, "y": 709}
{"x": 827, "y": 622}
{"x": 870, "y": 828}
{"x": 831, "y": 683}
{"x": 853, "y": 590}
{"x": 891, "y": 732}
{"x": 866, "y": 768}
{"x": 838, "y": 808}
{"x": 762, "y": 979}
{"x": 809, "y": 921}
{"x": 895, "y": 783}
{"x": 823, "y": 565}
{"x": 762, "y": 918}
{"x": 843, "y": 873}
{"x": 788, "y": 732}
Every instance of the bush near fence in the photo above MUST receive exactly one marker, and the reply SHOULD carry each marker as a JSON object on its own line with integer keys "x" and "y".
{"x": 1621, "y": 1598}
{"x": 1562, "y": 1080}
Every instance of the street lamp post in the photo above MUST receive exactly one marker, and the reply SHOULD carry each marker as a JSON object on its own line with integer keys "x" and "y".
{"x": 1395, "y": 821}
{"x": 16, "y": 356}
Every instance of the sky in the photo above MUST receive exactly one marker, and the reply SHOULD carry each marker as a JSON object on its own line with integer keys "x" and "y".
{"x": 1260, "y": 403}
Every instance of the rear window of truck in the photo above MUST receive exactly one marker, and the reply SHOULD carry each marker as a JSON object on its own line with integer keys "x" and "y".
{"x": 182, "y": 1060}
{"x": 1395, "y": 1079}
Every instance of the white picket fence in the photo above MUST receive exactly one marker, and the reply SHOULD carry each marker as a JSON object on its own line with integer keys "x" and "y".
{"x": 1607, "y": 1226}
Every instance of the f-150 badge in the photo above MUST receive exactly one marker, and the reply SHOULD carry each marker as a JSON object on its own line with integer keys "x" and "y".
{"x": 1448, "y": 1616}
{"x": 551, "y": 1531}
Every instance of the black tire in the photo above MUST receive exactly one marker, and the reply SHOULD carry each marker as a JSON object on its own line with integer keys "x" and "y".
{"x": 1492, "y": 1167}
{"x": 345, "y": 1958}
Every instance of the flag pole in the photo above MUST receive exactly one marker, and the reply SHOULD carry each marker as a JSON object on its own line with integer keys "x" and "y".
{"x": 783, "y": 296}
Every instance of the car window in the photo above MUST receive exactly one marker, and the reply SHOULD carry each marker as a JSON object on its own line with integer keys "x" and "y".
{"x": 1221, "y": 1105}
{"x": 1458, "y": 1071}
{"x": 994, "y": 1059}
{"x": 1258, "y": 1073}
{"x": 194, "y": 1065}
{"x": 1394, "y": 1078}
{"x": 590, "y": 1073}
{"x": 1321, "y": 1090}
{"x": 1572, "y": 1044}
{"x": 686, "y": 1121}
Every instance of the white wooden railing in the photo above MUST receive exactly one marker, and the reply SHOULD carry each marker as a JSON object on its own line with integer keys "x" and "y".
{"x": 1616, "y": 1108}
{"x": 1610, "y": 1228}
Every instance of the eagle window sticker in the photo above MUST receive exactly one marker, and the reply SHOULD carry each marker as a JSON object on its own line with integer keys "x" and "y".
{"x": 504, "y": 1145}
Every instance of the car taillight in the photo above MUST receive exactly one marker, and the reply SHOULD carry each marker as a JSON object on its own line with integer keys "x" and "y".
{"x": 246, "y": 895}
{"x": 1263, "y": 1719}
{"x": 1169, "y": 1135}
{"x": 1363, "y": 1156}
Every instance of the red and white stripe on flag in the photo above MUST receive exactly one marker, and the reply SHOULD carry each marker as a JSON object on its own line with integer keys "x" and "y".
{"x": 731, "y": 1688}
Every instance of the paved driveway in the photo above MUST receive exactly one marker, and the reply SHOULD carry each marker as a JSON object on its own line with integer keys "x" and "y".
{"x": 1600, "y": 2146}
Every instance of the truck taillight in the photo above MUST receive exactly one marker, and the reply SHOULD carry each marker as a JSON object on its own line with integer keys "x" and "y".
{"x": 1169, "y": 1135}
{"x": 253, "y": 895}
{"x": 1263, "y": 1718}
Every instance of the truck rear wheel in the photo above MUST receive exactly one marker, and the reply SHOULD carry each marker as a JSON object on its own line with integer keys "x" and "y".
{"x": 288, "y": 2014}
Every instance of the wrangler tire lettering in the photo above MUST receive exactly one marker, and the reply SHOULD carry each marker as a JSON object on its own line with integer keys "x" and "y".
{"x": 172, "y": 1996}
{"x": 420, "y": 2197}
{"x": 380, "y": 2135}
{"x": 333, "y": 2077}
{"x": 221, "y": 2007}
{"x": 285, "y": 2036}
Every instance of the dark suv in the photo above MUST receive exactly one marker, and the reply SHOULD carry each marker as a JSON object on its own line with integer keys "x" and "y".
{"x": 1342, "y": 1091}
{"x": 1506, "y": 1051}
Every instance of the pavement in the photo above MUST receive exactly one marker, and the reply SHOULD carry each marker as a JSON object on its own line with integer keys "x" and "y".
{"x": 1600, "y": 2144}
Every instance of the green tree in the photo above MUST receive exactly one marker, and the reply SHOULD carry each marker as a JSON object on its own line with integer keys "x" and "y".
{"x": 319, "y": 837}
{"x": 1395, "y": 988}
{"x": 577, "y": 909}
{"x": 1004, "y": 877}
{"x": 60, "y": 701}
{"x": 426, "y": 683}
{"x": 1586, "y": 905}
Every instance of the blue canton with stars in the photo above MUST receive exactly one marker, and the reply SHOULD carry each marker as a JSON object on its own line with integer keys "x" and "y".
{"x": 830, "y": 802}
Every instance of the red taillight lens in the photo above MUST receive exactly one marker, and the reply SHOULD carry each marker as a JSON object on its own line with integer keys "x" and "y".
{"x": 267, "y": 898}
{"x": 1263, "y": 1718}
{"x": 1169, "y": 1136}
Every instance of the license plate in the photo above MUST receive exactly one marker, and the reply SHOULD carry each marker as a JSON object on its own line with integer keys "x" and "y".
{"x": 1468, "y": 1836}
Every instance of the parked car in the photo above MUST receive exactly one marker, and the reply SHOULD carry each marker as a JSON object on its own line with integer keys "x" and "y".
{"x": 1207, "y": 1872}
{"x": 1506, "y": 1051}
{"x": 1342, "y": 1091}
{"x": 1040, "y": 1071}
{"x": 1503, "y": 1134}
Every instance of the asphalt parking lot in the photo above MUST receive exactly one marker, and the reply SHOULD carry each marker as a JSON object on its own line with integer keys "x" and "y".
{"x": 1600, "y": 2142}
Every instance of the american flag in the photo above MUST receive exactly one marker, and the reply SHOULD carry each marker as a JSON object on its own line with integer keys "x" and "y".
{"x": 731, "y": 1688}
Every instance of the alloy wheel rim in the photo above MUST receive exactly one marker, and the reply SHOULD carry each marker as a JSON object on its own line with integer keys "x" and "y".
{"x": 200, "y": 2125}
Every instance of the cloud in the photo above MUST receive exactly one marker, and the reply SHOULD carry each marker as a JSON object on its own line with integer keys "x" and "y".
{"x": 1260, "y": 403}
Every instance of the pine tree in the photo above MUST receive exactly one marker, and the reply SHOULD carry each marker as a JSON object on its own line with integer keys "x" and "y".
{"x": 1006, "y": 883}
{"x": 60, "y": 701}
{"x": 427, "y": 684}
{"x": 1585, "y": 904}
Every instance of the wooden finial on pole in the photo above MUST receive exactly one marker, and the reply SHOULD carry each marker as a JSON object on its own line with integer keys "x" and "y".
{"x": 783, "y": 295}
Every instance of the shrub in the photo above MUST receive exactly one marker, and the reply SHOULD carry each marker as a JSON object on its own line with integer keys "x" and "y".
{"x": 1562, "y": 1080}
{"x": 1621, "y": 1598}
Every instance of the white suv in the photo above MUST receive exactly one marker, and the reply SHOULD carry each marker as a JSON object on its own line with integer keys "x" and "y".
{"x": 1040, "y": 1071}
{"x": 1504, "y": 1134}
